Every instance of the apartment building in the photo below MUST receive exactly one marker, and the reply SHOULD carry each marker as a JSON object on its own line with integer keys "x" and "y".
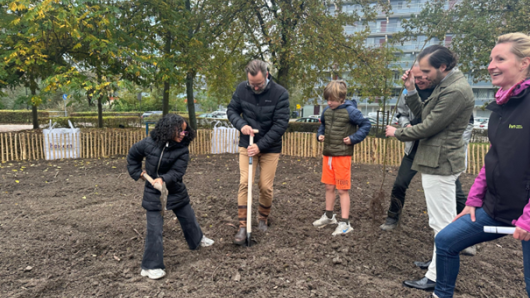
{"x": 381, "y": 30}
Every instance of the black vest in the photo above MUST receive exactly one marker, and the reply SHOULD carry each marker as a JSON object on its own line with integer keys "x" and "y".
{"x": 508, "y": 160}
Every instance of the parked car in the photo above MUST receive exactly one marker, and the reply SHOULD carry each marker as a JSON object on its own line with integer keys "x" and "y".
{"x": 482, "y": 124}
{"x": 314, "y": 116}
{"x": 207, "y": 115}
{"x": 373, "y": 121}
{"x": 308, "y": 119}
{"x": 219, "y": 115}
{"x": 150, "y": 113}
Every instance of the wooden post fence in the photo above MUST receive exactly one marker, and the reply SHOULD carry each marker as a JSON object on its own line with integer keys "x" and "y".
{"x": 30, "y": 145}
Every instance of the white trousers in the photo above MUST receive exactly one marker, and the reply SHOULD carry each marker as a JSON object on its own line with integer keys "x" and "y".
{"x": 440, "y": 193}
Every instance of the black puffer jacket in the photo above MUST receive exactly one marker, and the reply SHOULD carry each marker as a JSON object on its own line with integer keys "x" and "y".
{"x": 168, "y": 163}
{"x": 267, "y": 112}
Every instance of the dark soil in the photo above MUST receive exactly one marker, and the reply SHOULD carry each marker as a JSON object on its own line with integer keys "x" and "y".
{"x": 75, "y": 228}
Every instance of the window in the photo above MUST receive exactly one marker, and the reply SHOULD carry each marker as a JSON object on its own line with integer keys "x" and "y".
{"x": 448, "y": 40}
{"x": 382, "y": 26}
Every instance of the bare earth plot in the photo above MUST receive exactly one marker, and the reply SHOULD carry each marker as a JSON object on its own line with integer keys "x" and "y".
{"x": 75, "y": 228}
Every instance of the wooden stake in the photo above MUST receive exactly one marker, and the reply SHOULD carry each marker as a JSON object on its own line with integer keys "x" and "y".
{"x": 63, "y": 143}
{"x": 2, "y": 147}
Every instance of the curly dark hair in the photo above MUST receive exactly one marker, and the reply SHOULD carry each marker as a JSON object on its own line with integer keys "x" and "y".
{"x": 168, "y": 127}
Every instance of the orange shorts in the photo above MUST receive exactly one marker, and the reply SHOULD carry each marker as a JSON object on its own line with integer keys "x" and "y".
{"x": 339, "y": 174}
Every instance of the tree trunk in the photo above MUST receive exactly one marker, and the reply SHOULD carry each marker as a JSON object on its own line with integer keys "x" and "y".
{"x": 34, "y": 113}
{"x": 165, "y": 96}
{"x": 100, "y": 106}
{"x": 89, "y": 96}
{"x": 283, "y": 73}
{"x": 191, "y": 101}
{"x": 100, "y": 112}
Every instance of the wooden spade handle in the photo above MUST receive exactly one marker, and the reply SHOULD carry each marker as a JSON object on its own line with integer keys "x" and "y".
{"x": 148, "y": 178}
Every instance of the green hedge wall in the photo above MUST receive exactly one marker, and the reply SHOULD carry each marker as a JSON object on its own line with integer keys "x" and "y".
{"x": 19, "y": 116}
{"x": 92, "y": 122}
{"x": 303, "y": 127}
{"x": 95, "y": 114}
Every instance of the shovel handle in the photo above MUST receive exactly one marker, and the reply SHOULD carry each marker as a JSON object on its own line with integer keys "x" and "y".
{"x": 148, "y": 178}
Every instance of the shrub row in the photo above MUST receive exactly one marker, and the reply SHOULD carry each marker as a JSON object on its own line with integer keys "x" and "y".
{"x": 92, "y": 122}
{"x": 92, "y": 114}
{"x": 19, "y": 116}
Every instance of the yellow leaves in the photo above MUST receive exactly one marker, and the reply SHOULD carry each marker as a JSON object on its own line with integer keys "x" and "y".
{"x": 77, "y": 46}
{"x": 36, "y": 100}
{"x": 154, "y": 63}
{"x": 16, "y": 181}
{"x": 13, "y": 6}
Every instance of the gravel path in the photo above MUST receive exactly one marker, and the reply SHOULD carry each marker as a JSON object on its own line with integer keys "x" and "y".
{"x": 13, "y": 127}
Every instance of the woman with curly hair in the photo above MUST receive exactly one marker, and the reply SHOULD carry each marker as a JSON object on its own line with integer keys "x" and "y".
{"x": 166, "y": 159}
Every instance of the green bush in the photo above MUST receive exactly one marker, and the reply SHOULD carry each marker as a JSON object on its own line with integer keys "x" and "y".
{"x": 303, "y": 127}
{"x": 19, "y": 116}
{"x": 92, "y": 122}
{"x": 92, "y": 114}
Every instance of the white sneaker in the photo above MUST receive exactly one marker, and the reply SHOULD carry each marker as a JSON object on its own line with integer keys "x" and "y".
{"x": 324, "y": 221}
{"x": 342, "y": 228}
{"x": 206, "y": 241}
{"x": 153, "y": 273}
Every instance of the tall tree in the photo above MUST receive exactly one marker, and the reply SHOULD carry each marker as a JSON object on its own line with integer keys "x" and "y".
{"x": 305, "y": 40}
{"x": 27, "y": 54}
{"x": 213, "y": 41}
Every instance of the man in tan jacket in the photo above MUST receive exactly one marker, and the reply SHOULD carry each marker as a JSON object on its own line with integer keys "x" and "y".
{"x": 440, "y": 157}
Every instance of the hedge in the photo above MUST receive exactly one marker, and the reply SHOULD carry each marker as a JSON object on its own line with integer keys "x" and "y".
{"x": 92, "y": 122}
{"x": 95, "y": 114}
{"x": 303, "y": 127}
{"x": 20, "y": 116}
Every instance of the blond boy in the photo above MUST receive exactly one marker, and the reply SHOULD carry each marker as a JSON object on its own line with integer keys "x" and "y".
{"x": 342, "y": 126}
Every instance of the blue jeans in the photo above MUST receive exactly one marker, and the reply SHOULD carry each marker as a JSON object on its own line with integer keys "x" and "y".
{"x": 459, "y": 235}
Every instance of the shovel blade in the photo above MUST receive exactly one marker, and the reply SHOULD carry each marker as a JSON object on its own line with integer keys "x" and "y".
{"x": 249, "y": 239}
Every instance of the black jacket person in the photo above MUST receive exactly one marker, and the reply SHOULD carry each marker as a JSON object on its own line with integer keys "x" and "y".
{"x": 261, "y": 104}
{"x": 166, "y": 159}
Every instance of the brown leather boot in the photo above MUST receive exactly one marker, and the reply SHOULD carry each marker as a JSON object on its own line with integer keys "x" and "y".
{"x": 263, "y": 225}
{"x": 241, "y": 236}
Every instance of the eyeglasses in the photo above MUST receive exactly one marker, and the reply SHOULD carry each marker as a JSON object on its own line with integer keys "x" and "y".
{"x": 259, "y": 86}
{"x": 184, "y": 133}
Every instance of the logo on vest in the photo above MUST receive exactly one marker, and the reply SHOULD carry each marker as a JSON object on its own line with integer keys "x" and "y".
{"x": 514, "y": 126}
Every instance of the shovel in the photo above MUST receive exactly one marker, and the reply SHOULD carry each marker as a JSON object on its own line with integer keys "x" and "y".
{"x": 163, "y": 192}
{"x": 249, "y": 196}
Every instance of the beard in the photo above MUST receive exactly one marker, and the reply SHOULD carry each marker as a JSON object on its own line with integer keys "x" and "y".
{"x": 259, "y": 91}
{"x": 437, "y": 80}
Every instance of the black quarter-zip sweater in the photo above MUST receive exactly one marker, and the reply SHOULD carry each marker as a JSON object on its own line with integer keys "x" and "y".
{"x": 508, "y": 160}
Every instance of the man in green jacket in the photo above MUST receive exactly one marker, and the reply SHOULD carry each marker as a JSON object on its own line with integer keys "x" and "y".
{"x": 440, "y": 157}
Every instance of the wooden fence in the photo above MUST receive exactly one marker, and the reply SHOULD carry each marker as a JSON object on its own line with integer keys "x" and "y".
{"x": 17, "y": 146}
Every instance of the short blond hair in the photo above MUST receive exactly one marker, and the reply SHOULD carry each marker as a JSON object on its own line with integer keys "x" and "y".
{"x": 336, "y": 90}
{"x": 520, "y": 44}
